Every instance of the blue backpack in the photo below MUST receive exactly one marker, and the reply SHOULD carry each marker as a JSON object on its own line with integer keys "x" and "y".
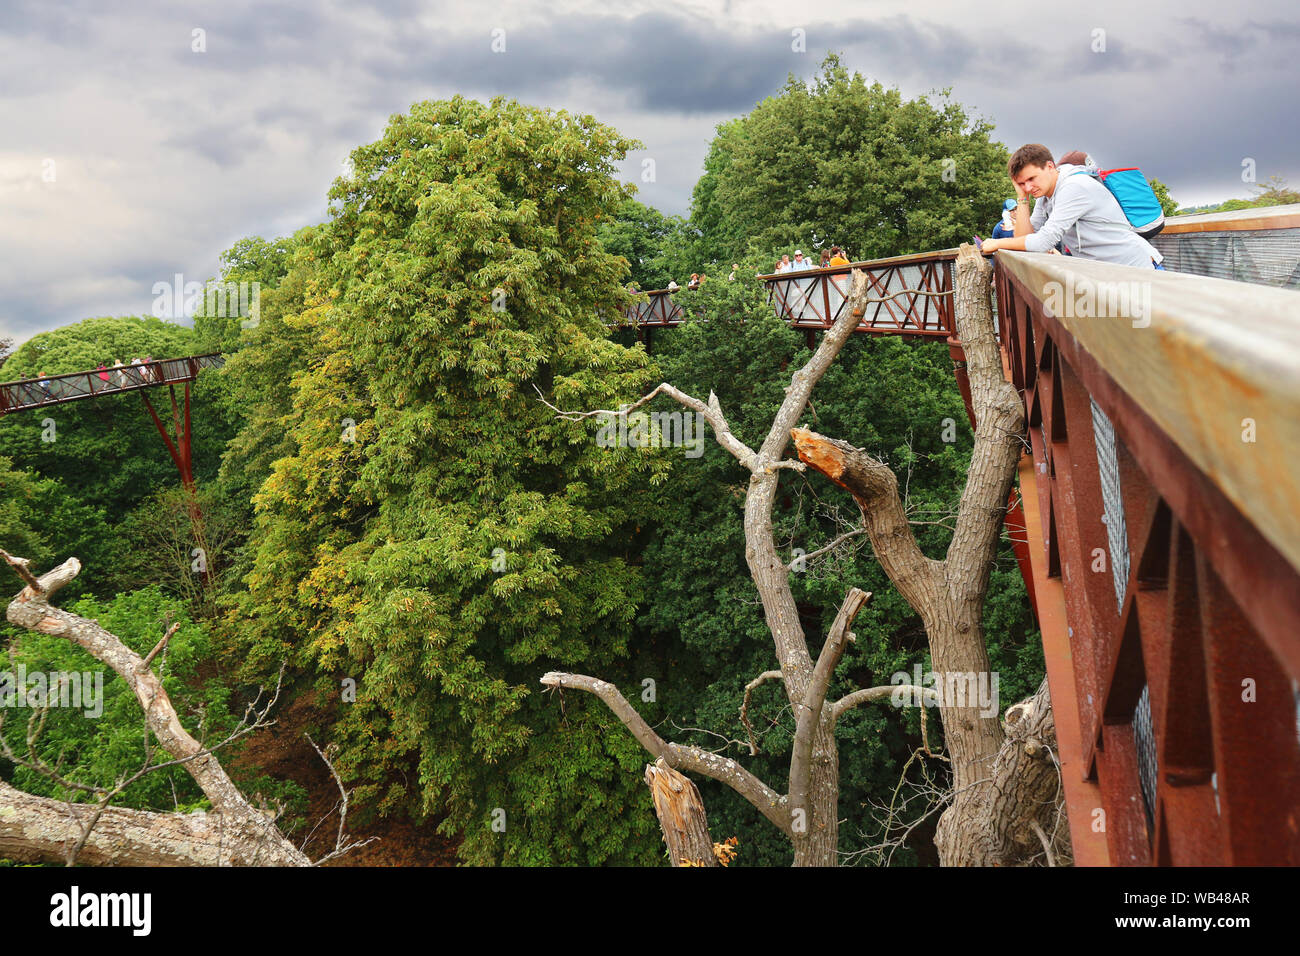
{"x": 1135, "y": 196}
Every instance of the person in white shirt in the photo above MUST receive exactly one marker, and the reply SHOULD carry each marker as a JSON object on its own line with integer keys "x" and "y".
{"x": 1072, "y": 207}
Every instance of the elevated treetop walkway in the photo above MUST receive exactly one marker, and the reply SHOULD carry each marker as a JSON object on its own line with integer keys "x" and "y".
{"x": 1159, "y": 535}
{"x": 51, "y": 390}
{"x": 1160, "y": 502}
{"x": 1260, "y": 246}
{"x": 814, "y": 298}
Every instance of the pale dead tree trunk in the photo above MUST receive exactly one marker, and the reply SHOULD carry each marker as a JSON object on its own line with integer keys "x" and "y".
{"x": 1005, "y": 795}
{"x": 808, "y": 812}
{"x": 1006, "y": 798}
{"x": 681, "y": 816}
{"x": 232, "y": 833}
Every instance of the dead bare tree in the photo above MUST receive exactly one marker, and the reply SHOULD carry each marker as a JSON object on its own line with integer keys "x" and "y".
{"x": 1005, "y": 789}
{"x": 36, "y": 828}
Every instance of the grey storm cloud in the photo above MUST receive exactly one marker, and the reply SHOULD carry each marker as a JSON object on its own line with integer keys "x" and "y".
{"x": 166, "y": 156}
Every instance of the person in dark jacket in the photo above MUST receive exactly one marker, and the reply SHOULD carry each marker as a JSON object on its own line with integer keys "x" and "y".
{"x": 1006, "y": 225}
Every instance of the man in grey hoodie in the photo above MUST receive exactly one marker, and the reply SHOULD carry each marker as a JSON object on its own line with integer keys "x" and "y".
{"x": 1072, "y": 206}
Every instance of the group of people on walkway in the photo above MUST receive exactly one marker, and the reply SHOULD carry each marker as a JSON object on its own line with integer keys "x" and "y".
{"x": 34, "y": 391}
{"x": 830, "y": 257}
{"x": 696, "y": 280}
{"x": 1064, "y": 206}
{"x": 130, "y": 373}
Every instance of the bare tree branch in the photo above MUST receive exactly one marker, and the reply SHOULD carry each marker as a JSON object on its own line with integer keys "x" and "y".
{"x": 711, "y": 412}
{"x": 875, "y": 488}
{"x": 869, "y": 694}
{"x": 341, "y": 843}
{"x": 857, "y": 532}
{"x": 763, "y": 798}
{"x": 20, "y": 567}
{"x": 252, "y": 837}
{"x": 159, "y": 646}
{"x": 815, "y": 696}
{"x": 744, "y": 705}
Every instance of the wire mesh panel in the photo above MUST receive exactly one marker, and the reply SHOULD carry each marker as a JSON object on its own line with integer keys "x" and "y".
{"x": 1295, "y": 691}
{"x": 1262, "y": 256}
{"x": 1116, "y": 525}
{"x": 1145, "y": 738}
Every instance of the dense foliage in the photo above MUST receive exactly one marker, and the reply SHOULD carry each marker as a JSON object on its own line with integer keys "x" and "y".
{"x": 100, "y": 741}
{"x": 437, "y": 533}
{"x": 840, "y": 161}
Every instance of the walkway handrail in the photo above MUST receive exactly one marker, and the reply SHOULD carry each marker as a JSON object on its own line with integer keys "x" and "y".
{"x": 1215, "y": 353}
{"x": 1260, "y": 245}
{"x": 1162, "y": 500}
{"x": 1235, "y": 220}
{"x": 814, "y": 298}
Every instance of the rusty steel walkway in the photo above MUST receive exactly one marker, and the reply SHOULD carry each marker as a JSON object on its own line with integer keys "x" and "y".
{"x": 813, "y": 299}
{"x": 43, "y": 391}
{"x": 53, "y": 390}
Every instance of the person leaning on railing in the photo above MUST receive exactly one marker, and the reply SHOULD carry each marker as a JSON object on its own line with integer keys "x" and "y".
{"x": 1078, "y": 209}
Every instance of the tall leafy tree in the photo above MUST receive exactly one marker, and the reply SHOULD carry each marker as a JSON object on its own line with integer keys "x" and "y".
{"x": 40, "y": 520}
{"x": 1168, "y": 205}
{"x": 437, "y": 532}
{"x": 258, "y": 263}
{"x": 840, "y": 161}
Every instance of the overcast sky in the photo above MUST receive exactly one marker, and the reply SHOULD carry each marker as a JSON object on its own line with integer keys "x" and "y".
{"x": 126, "y": 156}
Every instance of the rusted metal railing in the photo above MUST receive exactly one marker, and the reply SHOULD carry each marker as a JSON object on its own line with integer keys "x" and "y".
{"x": 814, "y": 298}
{"x": 657, "y": 310}
{"x": 1161, "y": 497}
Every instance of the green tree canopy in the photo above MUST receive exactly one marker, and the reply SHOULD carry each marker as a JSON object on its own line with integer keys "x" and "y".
{"x": 253, "y": 260}
{"x": 106, "y": 452}
{"x": 1168, "y": 205}
{"x": 839, "y": 161}
{"x": 436, "y": 532}
{"x": 41, "y": 521}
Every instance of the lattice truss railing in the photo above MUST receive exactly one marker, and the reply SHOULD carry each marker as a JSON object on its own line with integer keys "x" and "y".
{"x": 1165, "y": 520}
